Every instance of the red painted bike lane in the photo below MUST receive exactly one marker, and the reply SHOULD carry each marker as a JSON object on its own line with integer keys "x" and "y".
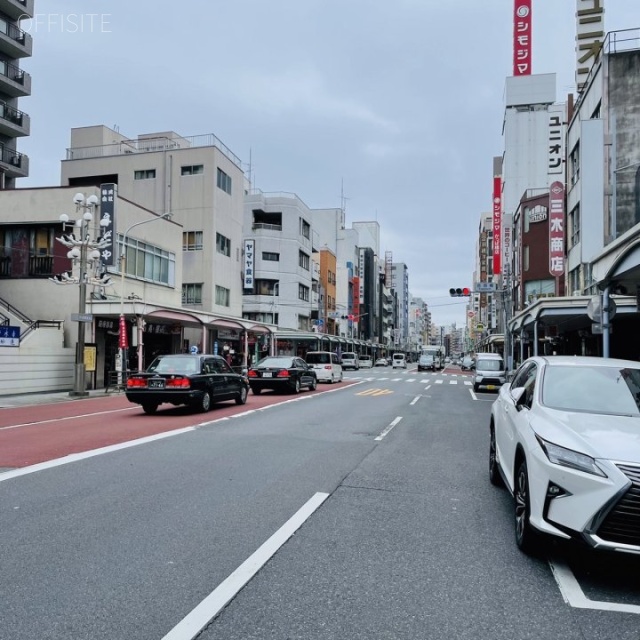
{"x": 39, "y": 433}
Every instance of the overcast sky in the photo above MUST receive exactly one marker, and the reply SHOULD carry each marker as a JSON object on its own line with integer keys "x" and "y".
{"x": 402, "y": 102}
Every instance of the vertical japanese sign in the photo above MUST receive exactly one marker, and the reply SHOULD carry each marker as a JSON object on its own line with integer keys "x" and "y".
{"x": 249, "y": 259}
{"x": 356, "y": 296}
{"x": 556, "y": 133}
{"x": 497, "y": 224}
{"x": 108, "y": 194}
{"x": 522, "y": 38}
{"x": 361, "y": 276}
{"x": 589, "y": 37}
{"x": 507, "y": 250}
{"x": 556, "y": 229}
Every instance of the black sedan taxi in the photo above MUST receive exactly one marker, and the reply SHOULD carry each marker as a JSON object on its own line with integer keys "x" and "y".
{"x": 282, "y": 373}
{"x": 197, "y": 381}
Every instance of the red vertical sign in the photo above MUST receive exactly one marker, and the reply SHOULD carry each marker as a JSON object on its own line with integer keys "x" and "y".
{"x": 497, "y": 225}
{"x": 522, "y": 50}
{"x": 123, "y": 337}
{"x": 556, "y": 229}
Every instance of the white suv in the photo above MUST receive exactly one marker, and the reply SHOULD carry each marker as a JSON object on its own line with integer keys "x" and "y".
{"x": 326, "y": 364}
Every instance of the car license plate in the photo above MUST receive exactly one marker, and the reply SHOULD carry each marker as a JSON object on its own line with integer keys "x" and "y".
{"x": 491, "y": 387}
{"x": 266, "y": 374}
{"x": 156, "y": 384}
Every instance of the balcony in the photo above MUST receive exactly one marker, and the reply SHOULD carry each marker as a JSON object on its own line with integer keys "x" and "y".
{"x": 14, "y": 164}
{"x": 17, "y": 9}
{"x": 13, "y": 123}
{"x": 14, "y": 42}
{"x": 39, "y": 267}
{"x": 14, "y": 81}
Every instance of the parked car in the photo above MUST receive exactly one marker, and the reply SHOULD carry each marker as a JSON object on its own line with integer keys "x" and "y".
{"x": 564, "y": 440}
{"x": 366, "y": 362}
{"x": 466, "y": 363}
{"x": 281, "y": 373}
{"x": 382, "y": 362}
{"x": 489, "y": 372}
{"x": 399, "y": 361}
{"x": 350, "y": 360}
{"x": 326, "y": 365}
{"x": 198, "y": 381}
{"x": 426, "y": 363}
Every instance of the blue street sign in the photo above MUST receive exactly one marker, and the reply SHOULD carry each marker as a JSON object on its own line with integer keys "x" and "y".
{"x": 9, "y": 336}
{"x": 194, "y": 350}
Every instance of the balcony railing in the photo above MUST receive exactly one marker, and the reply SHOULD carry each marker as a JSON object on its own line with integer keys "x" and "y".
{"x": 17, "y": 75}
{"x": 39, "y": 267}
{"x": 19, "y": 161}
{"x": 264, "y": 225}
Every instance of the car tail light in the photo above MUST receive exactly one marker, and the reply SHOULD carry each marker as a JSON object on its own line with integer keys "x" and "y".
{"x": 252, "y": 374}
{"x": 137, "y": 383}
{"x": 283, "y": 374}
{"x": 327, "y": 366}
{"x": 180, "y": 383}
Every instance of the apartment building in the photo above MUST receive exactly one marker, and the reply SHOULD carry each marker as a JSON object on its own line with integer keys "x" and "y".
{"x": 15, "y": 46}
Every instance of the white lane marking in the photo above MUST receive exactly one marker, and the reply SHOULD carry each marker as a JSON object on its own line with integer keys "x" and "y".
{"x": 574, "y": 596}
{"x": 467, "y": 383}
{"x": 75, "y": 457}
{"x": 427, "y": 387}
{"x": 396, "y": 379}
{"x": 386, "y": 431}
{"x": 190, "y": 626}
{"x": 414, "y": 400}
{"x": 473, "y": 395}
{"x": 439, "y": 381}
{"x": 453, "y": 382}
{"x": 84, "y": 415}
{"x": 411, "y": 380}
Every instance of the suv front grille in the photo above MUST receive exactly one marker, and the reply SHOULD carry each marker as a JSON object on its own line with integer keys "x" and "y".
{"x": 622, "y": 524}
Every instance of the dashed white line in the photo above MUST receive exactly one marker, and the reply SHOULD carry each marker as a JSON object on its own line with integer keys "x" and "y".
{"x": 190, "y": 626}
{"x": 414, "y": 400}
{"x": 386, "y": 431}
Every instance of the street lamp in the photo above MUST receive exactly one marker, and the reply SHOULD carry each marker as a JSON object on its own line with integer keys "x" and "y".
{"x": 122, "y": 331}
{"x": 85, "y": 252}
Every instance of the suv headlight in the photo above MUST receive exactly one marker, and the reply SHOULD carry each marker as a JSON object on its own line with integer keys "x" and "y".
{"x": 572, "y": 459}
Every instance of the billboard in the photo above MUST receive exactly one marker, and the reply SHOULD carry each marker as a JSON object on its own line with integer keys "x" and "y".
{"x": 522, "y": 37}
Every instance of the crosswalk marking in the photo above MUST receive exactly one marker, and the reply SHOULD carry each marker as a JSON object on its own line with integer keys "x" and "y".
{"x": 439, "y": 381}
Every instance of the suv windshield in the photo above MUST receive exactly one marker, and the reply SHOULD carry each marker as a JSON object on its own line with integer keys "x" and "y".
{"x": 592, "y": 389}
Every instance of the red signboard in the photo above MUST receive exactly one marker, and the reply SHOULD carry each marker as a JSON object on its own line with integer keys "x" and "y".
{"x": 497, "y": 224}
{"x": 123, "y": 338}
{"x": 556, "y": 229}
{"x": 356, "y": 297}
{"x": 522, "y": 51}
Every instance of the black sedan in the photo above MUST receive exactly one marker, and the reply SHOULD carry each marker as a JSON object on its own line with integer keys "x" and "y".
{"x": 282, "y": 373}
{"x": 197, "y": 381}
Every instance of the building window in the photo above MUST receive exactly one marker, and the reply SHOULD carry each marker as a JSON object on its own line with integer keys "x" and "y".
{"x": 525, "y": 258}
{"x": 192, "y": 293}
{"x": 304, "y": 260}
{"x": 223, "y": 181}
{"x": 305, "y": 228}
{"x": 192, "y": 241}
{"x": 223, "y": 296}
{"x": 267, "y": 287}
{"x": 574, "y": 226}
{"x": 223, "y": 245}
{"x": 192, "y": 169}
{"x": 303, "y": 292}
{"x": 269, "y": 256}
{"x": 148, "y": 262}
{"x": 144, "y": 174}
{"x": 574, "y": 165}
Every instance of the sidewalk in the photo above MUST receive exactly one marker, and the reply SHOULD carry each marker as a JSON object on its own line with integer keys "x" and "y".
{"x": 29, "y": 399}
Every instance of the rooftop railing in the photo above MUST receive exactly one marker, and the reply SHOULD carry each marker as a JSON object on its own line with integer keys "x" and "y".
{"x": 152, "y": 145}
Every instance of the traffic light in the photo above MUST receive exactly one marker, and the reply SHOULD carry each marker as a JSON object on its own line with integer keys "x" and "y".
{"x": 463, "y": 292}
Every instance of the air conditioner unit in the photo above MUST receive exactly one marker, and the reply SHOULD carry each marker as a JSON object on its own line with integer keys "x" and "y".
{"x": 15, "y": 161}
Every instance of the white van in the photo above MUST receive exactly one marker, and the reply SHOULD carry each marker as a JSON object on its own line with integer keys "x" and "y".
{"x": 489, "y": 371}
{"x": 350, "y": 360}
{"x": 326, "y": 364}
{"x": 398, "y": 361}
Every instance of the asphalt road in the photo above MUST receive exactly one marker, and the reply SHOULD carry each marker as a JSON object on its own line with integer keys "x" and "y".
{"x": 400, "y": 536}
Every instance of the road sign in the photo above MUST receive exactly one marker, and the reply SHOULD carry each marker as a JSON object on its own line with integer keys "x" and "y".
{"x": 194, "y": 350}
{"x": 471, "y": 314}
{"x": 82, "y": 317}
{"x": 485, "y": 287}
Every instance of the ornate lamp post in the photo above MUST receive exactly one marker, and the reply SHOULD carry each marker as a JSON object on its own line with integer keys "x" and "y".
{"x": 85, "y": 253}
